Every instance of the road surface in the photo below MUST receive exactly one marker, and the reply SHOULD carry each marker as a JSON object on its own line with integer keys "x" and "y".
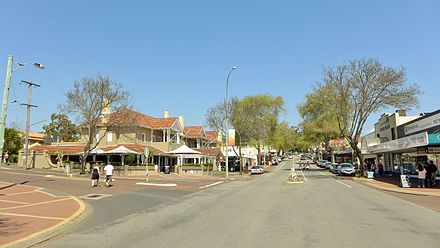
{"x": 322, "y": 211}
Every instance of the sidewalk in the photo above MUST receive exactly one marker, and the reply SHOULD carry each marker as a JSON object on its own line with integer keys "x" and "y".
{"x": 152, "y": 175}
{"x": 29, "y": 214}
{"x": 391, "y": 184}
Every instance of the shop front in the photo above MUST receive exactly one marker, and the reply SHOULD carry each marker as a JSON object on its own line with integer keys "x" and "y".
{"x": 405, "y": 153}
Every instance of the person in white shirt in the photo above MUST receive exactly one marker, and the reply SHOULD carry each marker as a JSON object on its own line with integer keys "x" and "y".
{"x": 108, "y": 174}
{"x": 421, "y": 175}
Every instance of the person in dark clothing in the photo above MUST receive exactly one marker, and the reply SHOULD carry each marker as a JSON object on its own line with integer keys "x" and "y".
{"x": 380, "y": 167}
{"x": 368, "y": 166}
{"x": 431, "y": 170}
{"x": 95, "y": 176}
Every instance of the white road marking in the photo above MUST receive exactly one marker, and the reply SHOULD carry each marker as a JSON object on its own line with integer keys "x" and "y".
{"x": 48, "y": 176}
{"x": 322, "y": 173}
{"x": 157, "y": 184}
{"x": 343, "y": 183}
{"x": 212, "y": 184}
{"x": 304, "y": 176}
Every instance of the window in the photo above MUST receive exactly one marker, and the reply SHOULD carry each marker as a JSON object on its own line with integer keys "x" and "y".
{"x": 97, "y": 137}
{"x": 143, "y": 137}
{"x": 109, "y": 137}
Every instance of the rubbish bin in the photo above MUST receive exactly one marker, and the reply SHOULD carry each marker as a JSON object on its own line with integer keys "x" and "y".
{"x": 370, "y": 174}
{"x": 167, "y": 169}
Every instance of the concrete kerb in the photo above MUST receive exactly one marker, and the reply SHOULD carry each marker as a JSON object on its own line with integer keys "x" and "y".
{"x": 399, "y": 190}
{"x": 44, "y": 235}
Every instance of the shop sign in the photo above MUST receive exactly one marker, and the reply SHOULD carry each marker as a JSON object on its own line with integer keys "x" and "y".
{"x": 435, "y": 150}
{"x": 421, "y": 150}
{"x": 404, "y": 181}
{"x": 412, "y": 141}
{"x": 434, "y": 139}
{"x": 423, "y": 124}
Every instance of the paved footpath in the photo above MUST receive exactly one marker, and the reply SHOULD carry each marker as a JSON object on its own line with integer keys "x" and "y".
{"x": 28, "y": 211}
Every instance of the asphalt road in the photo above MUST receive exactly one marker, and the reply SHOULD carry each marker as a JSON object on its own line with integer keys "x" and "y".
{"x": 268, "y": 212}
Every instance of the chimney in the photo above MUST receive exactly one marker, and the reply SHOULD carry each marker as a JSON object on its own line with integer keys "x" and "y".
{"x": 105, "y": 111}
{"x": 182, "y": 121}
{"x": 401, "y": 112}
{"x": 165, "y": 114}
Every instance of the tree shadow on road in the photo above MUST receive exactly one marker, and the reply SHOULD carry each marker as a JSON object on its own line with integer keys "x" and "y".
{"x": 10, "y": 227}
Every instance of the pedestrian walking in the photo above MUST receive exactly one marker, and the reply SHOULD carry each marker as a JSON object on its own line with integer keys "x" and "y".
{"x": 380, "y": 167}
{"x": 373, "y": 168}
{"x": 108, "y": 174}
{"x": 421, "y": 175}
{"x": 368, "y": 166}
{"x": 431, "y": 170}
{"x": 6, "y": 157}
{"x": 95, "y": 176}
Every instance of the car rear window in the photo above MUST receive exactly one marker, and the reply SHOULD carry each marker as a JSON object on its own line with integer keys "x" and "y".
{"x": 346, "y": 165}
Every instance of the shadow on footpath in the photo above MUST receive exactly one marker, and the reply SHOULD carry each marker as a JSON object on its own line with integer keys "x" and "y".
{"x": 9, "y": 227}
{"x": 14, "y": 184}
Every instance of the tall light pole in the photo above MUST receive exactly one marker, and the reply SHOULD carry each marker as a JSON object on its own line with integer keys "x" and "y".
{"x": 28, "y": 119}
{"x": 9, "y": 71}
{"x": 227, "y": 123}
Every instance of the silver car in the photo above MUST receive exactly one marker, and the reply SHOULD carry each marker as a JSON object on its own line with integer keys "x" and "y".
{"x": 257, "y": 170}
{"x": 334, "y": 167}
{"x": 346, "y": 169}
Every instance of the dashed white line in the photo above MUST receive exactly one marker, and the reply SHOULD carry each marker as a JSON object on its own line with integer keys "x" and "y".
{"x": 210, "y": 185}
{"x": 343, "y": 183}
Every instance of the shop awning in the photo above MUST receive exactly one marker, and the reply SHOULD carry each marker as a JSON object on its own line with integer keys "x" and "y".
{"x": 405, "y": 143}
{"x": 121, "y": 150}
{"x": 183, "y": 150}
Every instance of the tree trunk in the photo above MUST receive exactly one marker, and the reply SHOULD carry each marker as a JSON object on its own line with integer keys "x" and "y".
{"x": 358, "y": 153}
{"x": 258, "y": 155}
{"x": 241, "y": 162}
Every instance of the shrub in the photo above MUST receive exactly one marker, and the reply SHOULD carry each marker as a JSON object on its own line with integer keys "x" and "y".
{"x": 13, "y": 158}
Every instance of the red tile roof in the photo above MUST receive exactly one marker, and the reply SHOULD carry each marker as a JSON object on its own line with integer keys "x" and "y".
{"x": 131, "y": 117}
{"x": 67, "y": 149}
{"x": 36, "y": 136}
{"x": 211, "y": 152}
{"x": 212, "y": 135}
{"x": 194, "y": 132}
{"x": 77, "y": 149}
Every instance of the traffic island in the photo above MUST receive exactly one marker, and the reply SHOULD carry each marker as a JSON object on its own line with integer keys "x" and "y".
{"x": 29, "y": 215}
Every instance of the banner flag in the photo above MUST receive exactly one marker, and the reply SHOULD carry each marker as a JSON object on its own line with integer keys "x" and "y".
{"x": 232, "y": 137}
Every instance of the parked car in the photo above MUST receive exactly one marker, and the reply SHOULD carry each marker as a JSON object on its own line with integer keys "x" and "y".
{"x": 327, "y": 164}
{"x": 321, "y": 163}
{"x": 346, "y": 169}
{"x": 334, "y": 168}
{"x": 257, "y": 170}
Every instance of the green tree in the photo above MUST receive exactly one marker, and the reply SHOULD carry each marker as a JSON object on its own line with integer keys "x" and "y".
{"x": 255, "y": 118}
{"x": 61, "y": 128}
{"x": 284, "y": 137}
{"x": 362, "y": 87}
{"x": 319, "y": 120}
{"x": 13, "y": 141}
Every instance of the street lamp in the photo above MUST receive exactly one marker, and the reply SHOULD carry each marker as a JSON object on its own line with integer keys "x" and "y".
{"x": 9, "y": 71}
{"x": 227, "y": 123}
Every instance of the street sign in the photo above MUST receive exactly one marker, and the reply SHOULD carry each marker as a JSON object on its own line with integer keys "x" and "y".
{"x": 404, "y": 181}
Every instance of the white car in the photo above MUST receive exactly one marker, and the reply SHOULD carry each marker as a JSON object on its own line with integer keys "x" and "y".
{"x": 257, "y": 170}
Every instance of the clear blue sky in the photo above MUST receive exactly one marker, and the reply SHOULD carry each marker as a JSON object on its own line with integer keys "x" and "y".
{"x": 175, "y": 55}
